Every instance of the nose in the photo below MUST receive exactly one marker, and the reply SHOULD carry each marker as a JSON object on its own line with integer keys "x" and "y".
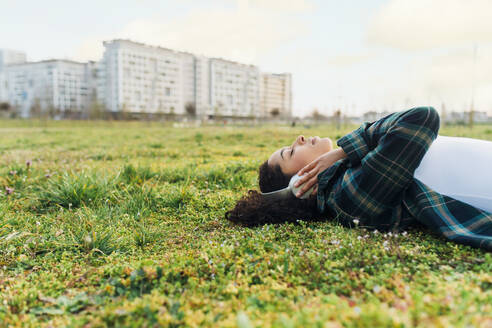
{"x": 301, "y": 139}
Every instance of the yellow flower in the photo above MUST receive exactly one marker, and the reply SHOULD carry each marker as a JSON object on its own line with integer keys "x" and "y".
{"x": 109, "y": 289}
{"x": 150, "y": 273}
{"x": 231, "y": 289}
{"x": 125, "y": 282}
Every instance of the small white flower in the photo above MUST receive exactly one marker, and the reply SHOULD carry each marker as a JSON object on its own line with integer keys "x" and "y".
{"x": 385, "y": 243}
{"x": 376, "y": 289}
{"x": 359, "y": 237}
{"x": 375, "y": 231}
{"x": 356, "y": 221}
{"x": 357, "y": 310}
{"x": 404, "y": 233}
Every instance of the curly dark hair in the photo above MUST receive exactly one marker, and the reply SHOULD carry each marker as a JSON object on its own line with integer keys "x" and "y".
{"x": 254, "y": 210}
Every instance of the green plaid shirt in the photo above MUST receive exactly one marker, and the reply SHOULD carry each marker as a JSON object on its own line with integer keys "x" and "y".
{"x": 375, "y": 183}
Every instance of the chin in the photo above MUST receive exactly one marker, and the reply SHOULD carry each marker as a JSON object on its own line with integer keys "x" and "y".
{"x": 327, "y": 143}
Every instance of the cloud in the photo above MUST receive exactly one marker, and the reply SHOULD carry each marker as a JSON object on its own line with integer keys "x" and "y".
{"x": 451, "y": 76}
{"x": 423, "y": 24}
{"x": 90, "y": 49}
{"x": 348, "y": 59}
{"x": 279, "y": 5}
{"x": 243, "y": 34}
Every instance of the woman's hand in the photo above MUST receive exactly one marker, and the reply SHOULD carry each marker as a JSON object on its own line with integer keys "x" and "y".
{"x": 317, "y": 166}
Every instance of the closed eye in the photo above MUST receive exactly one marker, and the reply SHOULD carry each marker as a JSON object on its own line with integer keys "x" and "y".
{"x": 292, "y": 152}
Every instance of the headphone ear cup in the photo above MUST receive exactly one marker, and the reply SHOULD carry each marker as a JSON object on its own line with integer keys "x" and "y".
{"x": 293, "y": 180}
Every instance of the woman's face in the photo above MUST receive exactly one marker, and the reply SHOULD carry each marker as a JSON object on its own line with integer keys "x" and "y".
{"x": 302, "y": 152}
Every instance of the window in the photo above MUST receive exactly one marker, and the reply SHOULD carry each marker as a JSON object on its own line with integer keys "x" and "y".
{"x": 168, "y": 91}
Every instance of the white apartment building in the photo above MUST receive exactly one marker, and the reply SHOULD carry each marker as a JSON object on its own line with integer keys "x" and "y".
{"x": 8, "y": 57}
{"x": 48, "y": 84}
{"x": 3, "y": 88}
{"x": 135, "y": 77}
{"x": 202, "y": 86}
{"x": 233, "y": 89}
{"x": 276, "y": 94}
{"x": 139, "y": 78}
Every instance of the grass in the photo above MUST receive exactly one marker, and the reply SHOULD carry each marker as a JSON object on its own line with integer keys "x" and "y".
{"x": 122, "y": 224}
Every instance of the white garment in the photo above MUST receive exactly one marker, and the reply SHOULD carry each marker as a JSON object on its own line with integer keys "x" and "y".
{"x": 460, "y": 168}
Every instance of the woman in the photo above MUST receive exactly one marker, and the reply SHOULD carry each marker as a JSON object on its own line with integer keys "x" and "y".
{"x": 369, "y": 180}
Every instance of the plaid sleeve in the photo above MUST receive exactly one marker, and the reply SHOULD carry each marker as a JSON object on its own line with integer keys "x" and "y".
{"x": 389, "y": 151}
{"x": 354, "y": 144}
{"x": 358, "y": 143}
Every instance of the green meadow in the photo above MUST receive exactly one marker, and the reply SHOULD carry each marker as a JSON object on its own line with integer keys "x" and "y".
{"x": 122, "y": 224}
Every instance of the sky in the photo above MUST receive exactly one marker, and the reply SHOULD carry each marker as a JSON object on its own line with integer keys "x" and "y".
{"x": 353, "y": 55}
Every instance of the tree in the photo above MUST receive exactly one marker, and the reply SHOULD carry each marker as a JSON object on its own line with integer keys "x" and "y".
{"x": 316, "y": 115}
{"x": 5, "y": 106}
{"x": 96, "y": 110}
{"x": 35, "y": 110}
{"x": 338, "y": 118}
{"x": 5, "y": 109}
{"x": 443, "y": 113}
{"x": 190, "y": 109}
{"x": 125, "y": 112}
{"x": 275, "y": 112}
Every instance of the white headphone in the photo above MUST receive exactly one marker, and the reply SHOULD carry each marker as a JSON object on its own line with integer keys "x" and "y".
{"x": 288, "y": 191}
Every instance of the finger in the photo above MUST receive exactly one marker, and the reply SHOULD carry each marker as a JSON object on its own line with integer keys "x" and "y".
{"x": 307, "y": 186}
{"x": 306, "y": 177}
{"x": 307, "y": 168}
{"x": 315, "y": 189}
